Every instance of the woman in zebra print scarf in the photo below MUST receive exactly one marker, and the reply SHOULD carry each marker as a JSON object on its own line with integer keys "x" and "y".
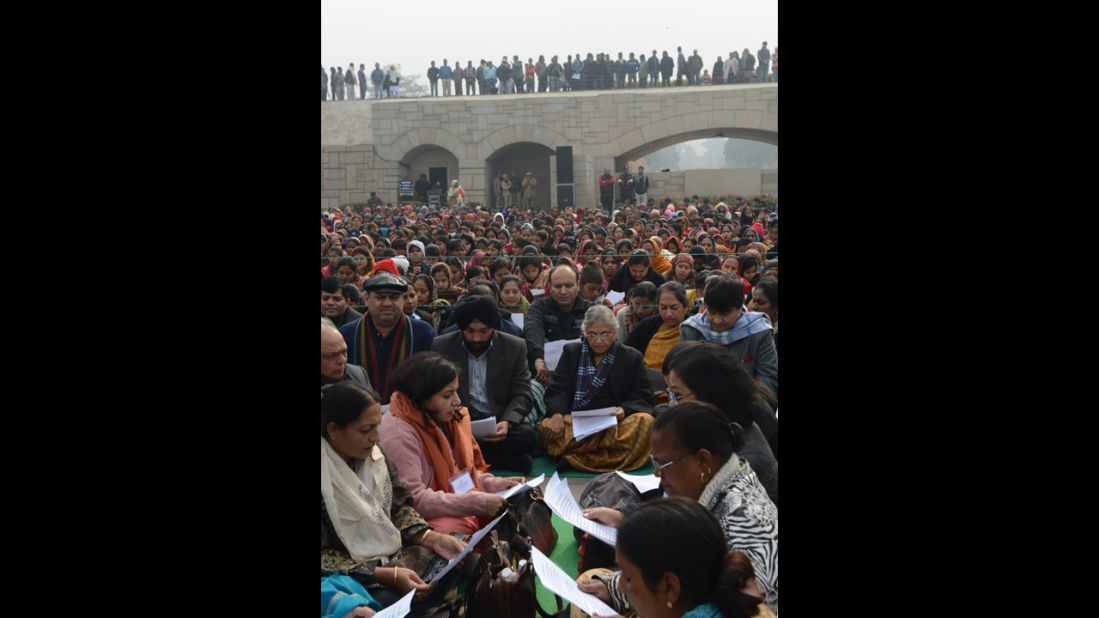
{"x": 693, "y": 453}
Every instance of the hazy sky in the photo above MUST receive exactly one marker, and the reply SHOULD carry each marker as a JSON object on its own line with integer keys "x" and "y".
{"x": 415, "y": 32}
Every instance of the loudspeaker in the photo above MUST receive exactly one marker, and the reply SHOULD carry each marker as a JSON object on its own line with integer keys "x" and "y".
{"x": 564, "y": 195}
{"x": 564, "y": 165}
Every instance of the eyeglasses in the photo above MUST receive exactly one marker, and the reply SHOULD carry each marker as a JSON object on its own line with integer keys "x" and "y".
{"x": 658, "y": 469}
{"x": 600, "y": 336}
{"x": 674, "y": 396}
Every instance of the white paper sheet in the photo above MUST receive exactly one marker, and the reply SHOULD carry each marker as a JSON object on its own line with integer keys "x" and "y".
{"x": 559, "y": 582}
{"x": 511, "y": 491}
{"x": 401, "y": 608}
{"x": 560, "y": 500}
{"x": 587, "y": 426}
{"x": 552, "y": 352}
{"x": 595, "y": 412}
{"x": 518, "y": 318}
{"x": 616, "y": 297}
{"x": 536, "y": 292}
{"x": 483, "y": 427}
{"x": 643, "y": 483}
{"x": 470, "y": 544}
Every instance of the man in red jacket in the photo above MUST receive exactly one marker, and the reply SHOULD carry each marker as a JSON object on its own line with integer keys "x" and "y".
{"x": 606, "y": 190}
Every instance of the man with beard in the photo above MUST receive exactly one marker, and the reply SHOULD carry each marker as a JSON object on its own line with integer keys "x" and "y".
{"x": 385, "y": 336}
{"x": 486, "y": 356}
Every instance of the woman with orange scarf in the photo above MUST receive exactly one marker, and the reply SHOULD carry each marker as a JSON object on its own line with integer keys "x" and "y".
{"x": 428, "y": 437}
{"x": 658, "y": 257}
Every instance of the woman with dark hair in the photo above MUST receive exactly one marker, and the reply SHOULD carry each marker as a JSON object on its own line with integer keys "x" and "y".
{"x": 655, "y": 335}
{"x": 746, "y": 335}
{"x": 704, "y": 372}
{"x": 638, "y": 269}
{"x": 611, "y": 263}
{"x": 765, "y": 300}
{"x": 683, "y": 271}
{"x": 598, "y": 373}
{"x": 429, "y": 302}
{"x": 444, "y": 286}
{"x": 588, "y": 250}
{"x": 673, "y": 246}
{"x": 367, "y": 518}
{"x": 673, "y": 556}
{"x": 364, "y": 261}
{"x": 347, "y": 271}
{"x": 475, "y": 275}
{"x": 694, "y": 454}
{"x": 641, "y": 301}
{"x": 533, "y": 275}
{"x": 427, "y": 434}
{"x": 711, "y": 259}
{"x": 746, "y": 270}
{"x": 511, "y": 295}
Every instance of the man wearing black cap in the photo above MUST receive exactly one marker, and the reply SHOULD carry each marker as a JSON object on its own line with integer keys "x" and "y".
{"x": 385, "y": 336}
{"x": 486, "y": 356}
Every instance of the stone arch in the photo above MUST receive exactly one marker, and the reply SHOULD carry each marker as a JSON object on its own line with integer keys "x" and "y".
{"x": 523, "y": 157}
{"x": 543, "y": 136}
{"x": 408, "y": 144}
{"x": 750, "y": 125}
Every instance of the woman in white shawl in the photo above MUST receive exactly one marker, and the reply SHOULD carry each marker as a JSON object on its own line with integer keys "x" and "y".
{"x": 456, "y": 195}
{"x": 369, "y": 530}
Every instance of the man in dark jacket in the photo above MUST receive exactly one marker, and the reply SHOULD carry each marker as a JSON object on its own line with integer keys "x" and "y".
{"x": 667, "y": 65}
{"x": 422, "y": 187}
{"x": 554, "y": 317}
{"x": 494, "y": 381}
{"x": 433, "y": 79}
{"x": 654, "y": 69}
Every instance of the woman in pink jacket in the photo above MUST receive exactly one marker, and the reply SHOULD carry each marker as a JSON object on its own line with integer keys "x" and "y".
{"x": 428, "y": 437}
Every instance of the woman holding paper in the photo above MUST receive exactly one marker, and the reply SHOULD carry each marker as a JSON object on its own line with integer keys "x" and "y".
{"x": 676, "y": 565}
{"x": 599, "y": 373}
{"x": 427, "y": 433}
{"x": 694, "y": 454}
{"x": 369, "y": 529}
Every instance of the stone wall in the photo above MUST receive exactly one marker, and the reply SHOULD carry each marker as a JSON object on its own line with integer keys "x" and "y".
{"x": 369, "y": 145}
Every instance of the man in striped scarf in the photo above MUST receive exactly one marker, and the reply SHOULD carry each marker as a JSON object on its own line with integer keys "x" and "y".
{"x": 384, "y": 337}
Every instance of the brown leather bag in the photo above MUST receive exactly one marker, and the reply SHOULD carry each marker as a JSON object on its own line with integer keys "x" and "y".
{"x": 503, "y": 586}
{"x": 529, "y": 516}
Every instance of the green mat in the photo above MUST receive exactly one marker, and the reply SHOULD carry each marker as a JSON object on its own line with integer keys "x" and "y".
{"x": 564, "y": 555}
{"x": 544, "y": 465}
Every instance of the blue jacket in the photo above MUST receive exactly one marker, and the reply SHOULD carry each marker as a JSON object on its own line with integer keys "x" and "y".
{"x": 340, "y": 594}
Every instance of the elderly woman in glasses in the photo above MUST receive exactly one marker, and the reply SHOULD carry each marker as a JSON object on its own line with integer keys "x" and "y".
{"x": 694, "y": 453}
{"x": 598, "y": 372}
{"x": 428, "y": 436}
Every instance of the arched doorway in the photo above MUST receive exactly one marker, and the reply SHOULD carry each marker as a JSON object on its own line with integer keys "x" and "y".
{"x": 518, "y": 159}
{"x": 437, "y": 163}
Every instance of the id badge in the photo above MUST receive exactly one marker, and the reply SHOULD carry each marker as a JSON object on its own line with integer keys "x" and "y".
{"x": 462, "y": 482}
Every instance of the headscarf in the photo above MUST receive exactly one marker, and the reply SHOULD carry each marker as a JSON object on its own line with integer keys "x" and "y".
{"x": 659, "y": 261}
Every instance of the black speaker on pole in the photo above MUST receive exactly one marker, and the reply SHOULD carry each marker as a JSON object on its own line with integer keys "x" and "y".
{"x": 564, "y": 165}
{"x": 565, "y": 196}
